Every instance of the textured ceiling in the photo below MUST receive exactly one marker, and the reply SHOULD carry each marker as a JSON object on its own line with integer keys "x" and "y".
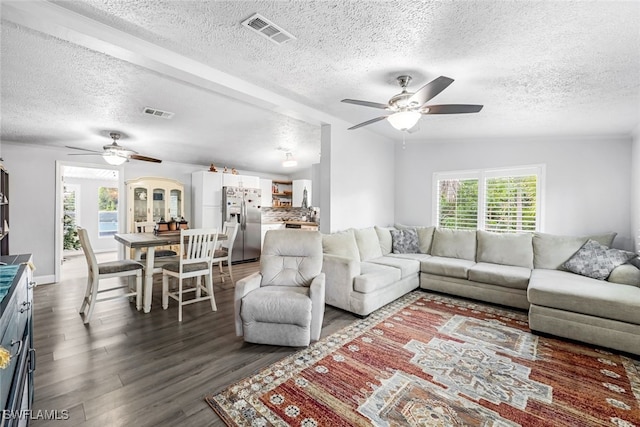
{"x": 539, "y": 68}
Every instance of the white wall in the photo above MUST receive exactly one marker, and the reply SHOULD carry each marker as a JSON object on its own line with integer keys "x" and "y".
{"x": 361, "y": 181}
{"x": 635, "y": 189}
{"x": 587, "y": 179}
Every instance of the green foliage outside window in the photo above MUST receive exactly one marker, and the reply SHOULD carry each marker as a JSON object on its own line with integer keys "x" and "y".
{"x": 71, "y": 241}
{"x": 458, "y": 204}
{"x": 107, "y": 199}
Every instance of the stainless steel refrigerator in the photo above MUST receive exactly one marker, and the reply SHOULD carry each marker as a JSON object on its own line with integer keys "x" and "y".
{"x": 242, "y": 205}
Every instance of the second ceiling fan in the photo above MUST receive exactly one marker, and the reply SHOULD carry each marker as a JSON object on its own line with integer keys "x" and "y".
{"x": 406, "y": 108}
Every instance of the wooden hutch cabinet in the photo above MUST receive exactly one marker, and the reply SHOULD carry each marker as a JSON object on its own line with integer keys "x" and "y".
{"x": 153, "y": 199}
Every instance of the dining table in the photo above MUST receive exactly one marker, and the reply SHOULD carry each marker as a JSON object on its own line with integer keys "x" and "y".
{"x": 149, "y": 241}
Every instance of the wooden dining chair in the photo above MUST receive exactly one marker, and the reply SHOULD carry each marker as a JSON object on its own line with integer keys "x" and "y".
{"x": 225, "y": 249}
{"x": 107, "y": 270}
{"x": 197, "y": 247}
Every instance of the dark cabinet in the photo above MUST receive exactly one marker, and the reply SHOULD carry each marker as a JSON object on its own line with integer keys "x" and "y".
{"x": 4, "y": 211}
{"x": 16, "y": 338}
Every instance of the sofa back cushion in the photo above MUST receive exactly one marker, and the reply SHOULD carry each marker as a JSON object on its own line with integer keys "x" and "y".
{"x": 368, "y": 243}
{"x": 384, "y": 237}
{"x": 341, "y": 243}
{"x": 459, "y": 244}
{"x": 550, "y": 251}
{"x": 425, "y": 236}
{"x": 505, "y": 248}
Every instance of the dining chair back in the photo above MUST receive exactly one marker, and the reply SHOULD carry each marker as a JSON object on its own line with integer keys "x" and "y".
{"x": 225, "y": 250}
{"x": 196, "y": 248}
{"x": 107, "y": 270}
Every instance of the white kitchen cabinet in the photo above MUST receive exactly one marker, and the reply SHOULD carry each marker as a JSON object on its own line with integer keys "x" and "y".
{"x": 153, "y": 199}
{"x": 266, "y": 188}
{"x": 245, "y": 181}
{"x": 206, "y": 195}
{"x": 267, "y": 227}
{"x": 206, "y": 199}
{"x": 299, "y": 185}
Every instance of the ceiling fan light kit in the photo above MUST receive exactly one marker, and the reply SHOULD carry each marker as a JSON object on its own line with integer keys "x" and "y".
{"x": 289, "y": 161}
{"x": 404, "y": 120}
{"x": 407, "y": 107}
{"x": 114, "y": 159}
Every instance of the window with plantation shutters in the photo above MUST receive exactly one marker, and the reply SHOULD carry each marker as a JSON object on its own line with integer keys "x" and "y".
{"x": 458, "y": 203}
{"x": 499, "y": 200}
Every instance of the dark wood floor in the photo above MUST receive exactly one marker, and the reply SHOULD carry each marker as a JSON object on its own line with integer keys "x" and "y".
{"x": 128, "y": 368}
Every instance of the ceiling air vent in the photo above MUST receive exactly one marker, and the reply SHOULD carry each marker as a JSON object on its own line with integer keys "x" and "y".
{"x": 158, "y": 113}
{"x": 267, "y": 29}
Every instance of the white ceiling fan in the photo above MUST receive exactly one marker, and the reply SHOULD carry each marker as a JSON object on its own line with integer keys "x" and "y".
{"x": 113, "y": 153}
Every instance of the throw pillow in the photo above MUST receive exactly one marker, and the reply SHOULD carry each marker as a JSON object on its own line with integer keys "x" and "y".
{"x": 596, "y": 260}
{"x": 635, "y": 261}
{"x": 405, "y": 241}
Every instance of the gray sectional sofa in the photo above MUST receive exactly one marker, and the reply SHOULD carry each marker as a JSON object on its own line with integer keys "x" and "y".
{"x": 365, "y": 271}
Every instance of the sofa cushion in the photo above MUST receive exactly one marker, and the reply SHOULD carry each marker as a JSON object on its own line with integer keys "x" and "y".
{"x": 405, "y": 241}
{"x": 596, "y": 261}
{"x": 417, "y": 257}
{"x": 509, "y": 276}
{"x": 425, "y": 236}
{"x": 374, "y": 277}
{"x": 341, "y": 243}
{"x": 454, "y": 244}
{"x": 563, "y": 290}
{"x": 407, "y": 267}
{"x": 635, "y": 261}
{"x": 451, "y": 267}
{"x": 368, "y": 243}
{"x": 551, "y": 251}
{"x": 384, "y": 236}
{"x": 505, "y": 248}
{"x": 625, "y": 274}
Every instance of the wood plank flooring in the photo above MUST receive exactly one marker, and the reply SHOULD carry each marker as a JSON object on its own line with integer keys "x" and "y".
{"x": 127, "y": 368}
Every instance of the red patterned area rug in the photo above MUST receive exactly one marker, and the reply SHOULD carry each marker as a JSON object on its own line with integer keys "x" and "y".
{"x": 433, "y": 360}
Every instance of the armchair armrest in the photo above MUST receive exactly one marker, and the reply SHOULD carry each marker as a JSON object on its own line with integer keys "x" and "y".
{"x": 316, "y": 293}
{"x": 340, "y": 272}
{"x": 243, "y": 287}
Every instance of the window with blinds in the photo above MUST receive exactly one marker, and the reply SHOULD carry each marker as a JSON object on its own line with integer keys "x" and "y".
{"x": 499, "y": 200}
{"x": 510, "y": 203}
{"x": 458, "y": 203}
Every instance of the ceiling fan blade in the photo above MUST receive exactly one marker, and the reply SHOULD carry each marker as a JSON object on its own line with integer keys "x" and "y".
{"x": 430, "y": 90}
{"x": 452, "y": 109}
{"x": 366, "y": 103}
{"x": 83, "y": 149}
{"x": 144, "y": 158}
{"x": 84, "y": 154}
{"x": 368, "y": 122}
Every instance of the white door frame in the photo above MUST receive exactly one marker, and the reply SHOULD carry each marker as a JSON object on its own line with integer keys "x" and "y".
{"x": 59, "y": 241}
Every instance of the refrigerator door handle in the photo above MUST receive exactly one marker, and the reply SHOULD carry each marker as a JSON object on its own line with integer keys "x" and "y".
{"x": 243, "y": 215}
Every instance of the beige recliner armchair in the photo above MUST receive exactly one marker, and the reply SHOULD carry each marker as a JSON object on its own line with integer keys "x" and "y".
{"x": 283, "y": 304}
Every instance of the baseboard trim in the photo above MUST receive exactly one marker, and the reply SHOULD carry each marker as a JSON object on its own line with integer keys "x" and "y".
{"x": 45, "y": 280}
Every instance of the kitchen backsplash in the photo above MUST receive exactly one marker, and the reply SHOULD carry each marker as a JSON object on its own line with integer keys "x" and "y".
{"x": 287, "y": 214}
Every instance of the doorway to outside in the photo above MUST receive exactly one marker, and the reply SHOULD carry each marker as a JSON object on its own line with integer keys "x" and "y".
{"x": 89, "y": 199}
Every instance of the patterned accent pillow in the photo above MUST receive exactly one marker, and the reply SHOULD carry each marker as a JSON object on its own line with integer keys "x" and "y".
{"x": 405, "y": 241}
{"x": 596, "y": 260}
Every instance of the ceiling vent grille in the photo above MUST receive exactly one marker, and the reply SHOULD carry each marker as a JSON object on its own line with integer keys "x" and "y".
{"x": 267, "y": 29}
{"x": 158, "y": 113}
